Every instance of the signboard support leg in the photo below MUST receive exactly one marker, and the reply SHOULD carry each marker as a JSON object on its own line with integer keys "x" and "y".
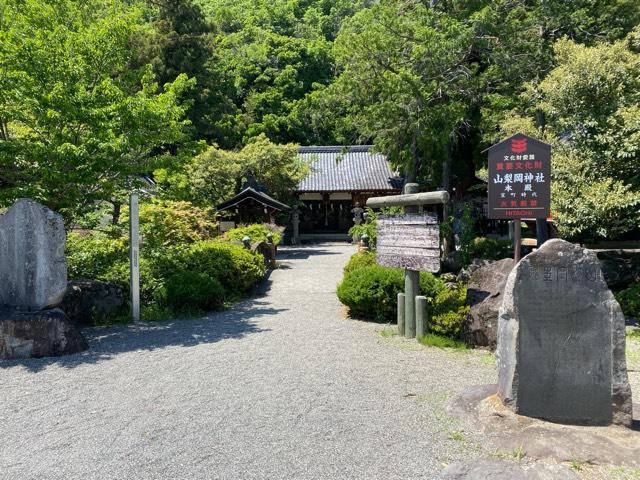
{"x": 517, "y": 234}
{"x": 411, "y": 289}
{"x": 401, "y": 314}
{"x": 542, "y": 231}
{"x": 134, "y": 257}
{"x": 421, "y": 316}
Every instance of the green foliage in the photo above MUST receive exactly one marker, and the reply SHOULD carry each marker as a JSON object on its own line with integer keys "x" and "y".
{"x": 589, "y": 104}
{"x": 257, "y": 232}
{"x": 371, "y": 292}
{"x": 467, "y": 235}
{"x": 236, "y": 268}
{"x": 215, "y": 175}
{"x": 434, "y": 340}
{"x": 76, "y": 123}
{"x": 491, "y": 248}
{"x": 175, "y": 223}
{"x": 96, "y": 256}
{"x": 449, "y": 311}
{"x": 359, "y": 260}
{"x": 191, "y": 290}
{"x": 629, "y": 300}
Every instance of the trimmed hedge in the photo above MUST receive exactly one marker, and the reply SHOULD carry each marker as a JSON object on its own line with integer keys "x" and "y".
{"x": 370, "y": 291}
{"x": 189, "y": 291}
{"x": 257, "y": 232}
{"x": 629, "y": 300}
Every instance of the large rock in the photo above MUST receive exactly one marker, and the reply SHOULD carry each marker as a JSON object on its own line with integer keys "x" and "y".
{"x": 46, "y": 333}
{"x": 561, "y": 340}
{"x": 620, "y": 268}
{"x": 484, "y": 295}
{"x": 33, "y": 270}
{"x": 91, "y": 302}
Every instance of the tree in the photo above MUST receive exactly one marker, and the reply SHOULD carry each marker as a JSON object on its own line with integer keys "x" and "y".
{"x": 215, "y": 175}
{"x": 591, "y": 108}
{"x": 74, "y": 127}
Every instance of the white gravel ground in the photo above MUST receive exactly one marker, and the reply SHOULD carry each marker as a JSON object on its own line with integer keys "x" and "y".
{"x": 280, "y": 386}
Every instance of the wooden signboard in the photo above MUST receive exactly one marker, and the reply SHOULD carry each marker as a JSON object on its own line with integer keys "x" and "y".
{"x": 409, "y": 241}
{"x": 519, "y": 178}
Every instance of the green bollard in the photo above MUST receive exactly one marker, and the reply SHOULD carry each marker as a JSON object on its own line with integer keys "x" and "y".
{"x": 401, "y": 314}
{"x": 411, "y": 289}
{"x": 422, "y": 316}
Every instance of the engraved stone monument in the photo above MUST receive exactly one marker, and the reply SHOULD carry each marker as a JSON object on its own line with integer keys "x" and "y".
{"x": 561, "y": 340}
{"x": 33, "y": 281}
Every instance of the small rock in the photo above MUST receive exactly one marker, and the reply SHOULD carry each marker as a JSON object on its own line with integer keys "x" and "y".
{"x": 90, "y": 302}
{"x": 484, "y": 295}
{"x": 494, "y": 469}
{"x": 46, "y": 333}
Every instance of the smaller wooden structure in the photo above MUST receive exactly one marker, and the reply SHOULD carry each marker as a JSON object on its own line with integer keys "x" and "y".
{"x": 252, "y": 205}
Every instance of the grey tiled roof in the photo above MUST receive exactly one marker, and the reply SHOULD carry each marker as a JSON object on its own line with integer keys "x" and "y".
{"x": 336, "y": 168}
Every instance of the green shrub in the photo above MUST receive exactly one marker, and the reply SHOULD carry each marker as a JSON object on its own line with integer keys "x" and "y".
{"x": 491, "y": 249}
{"x": 629, "y": 300}
{"x": 235, "y": 267}
{"x": 95, "y": 256}
{"x": 256, "y": 231}
{"x": 448, "y": 311}
{"x": 430, "y": 286}
{"x": 372, "y": 292}
{"x": 359, "y": 260}
{"x": 191, "y": 291}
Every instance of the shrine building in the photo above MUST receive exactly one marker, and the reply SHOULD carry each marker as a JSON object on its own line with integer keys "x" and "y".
{"x": 340, "y": 178}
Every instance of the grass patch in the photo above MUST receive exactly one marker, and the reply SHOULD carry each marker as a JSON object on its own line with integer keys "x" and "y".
{"x": 626, "y": 473}
{"x": 433, "y": 340}
{"x": 634, "y": 334}
{"x": 457, "y": 436}
{"x": 387, "y": 332}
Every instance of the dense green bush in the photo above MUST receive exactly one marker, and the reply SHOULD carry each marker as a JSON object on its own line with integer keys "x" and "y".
{"x": 491, "y": 248}
{"x": 448, "y": 311}
{"x": 257, "y": 232}
{"x": 629, "y": 300}
{"x": 189, "y": 291}
{"x": 371, "y": 292}
{"x": 235, "y": 267}
{"x": 359, "y": 260}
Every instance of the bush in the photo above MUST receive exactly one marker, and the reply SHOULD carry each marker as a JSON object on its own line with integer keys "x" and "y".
{"x": 359, "y": 260}
{"x": 191, "y": 291}
{"x": 491, "y": 249}
{"x": 372, "y": 292}
{"x": 257, "y": 232}
{"x": 629, "y": 300}
{"x": 235, "y": 267}
{"x": 448, "y": 311}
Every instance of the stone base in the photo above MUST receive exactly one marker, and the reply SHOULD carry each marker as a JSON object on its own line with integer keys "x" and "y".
{"x": 47, "y": 333}
{"x": 480, "y": 409}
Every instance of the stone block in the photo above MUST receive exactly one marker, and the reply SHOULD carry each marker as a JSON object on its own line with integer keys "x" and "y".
{"x": 47, "y": 333}
{"x": 91, "y": 302}
{"x": 33, "y": 270}
{"x": 561, "y": 340}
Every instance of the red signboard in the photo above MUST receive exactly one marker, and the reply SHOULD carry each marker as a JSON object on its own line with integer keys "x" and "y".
{"x": 519, "y": 178}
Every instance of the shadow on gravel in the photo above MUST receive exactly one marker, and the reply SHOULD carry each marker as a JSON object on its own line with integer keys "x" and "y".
{"x": 301, "y": 253}
{"x": 106, "y": 343}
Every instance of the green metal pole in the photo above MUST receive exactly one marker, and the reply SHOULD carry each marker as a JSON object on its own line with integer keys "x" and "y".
{"x": 401, "y": 314}
{"x": 422, "y": 316}
{"x": 411, "y": 278}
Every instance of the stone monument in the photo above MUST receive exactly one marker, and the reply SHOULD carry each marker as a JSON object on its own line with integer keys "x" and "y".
{"x": 33, "y": 281}
{"x": 561, "y": 340}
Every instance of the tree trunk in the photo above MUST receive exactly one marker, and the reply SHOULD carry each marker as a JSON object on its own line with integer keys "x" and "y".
{"x": 448, "y": 243}
{"x": 115, "y": 214}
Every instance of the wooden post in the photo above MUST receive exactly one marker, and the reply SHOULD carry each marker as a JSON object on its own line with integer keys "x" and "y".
{"x": 134, "y": 257}
{"x": 516, "y": 239}
{"x": 421, "y": 316}
{"x": 542, "y": 231}
{"x": 401, "y": 314}
{"x": 411, "y": 278}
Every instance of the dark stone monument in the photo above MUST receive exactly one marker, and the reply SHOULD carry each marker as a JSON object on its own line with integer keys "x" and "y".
{"x": 561, "y": 340}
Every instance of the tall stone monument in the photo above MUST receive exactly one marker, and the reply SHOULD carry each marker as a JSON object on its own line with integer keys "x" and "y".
{"x": 33, "y": 281}
{"x": 561, "y": 340}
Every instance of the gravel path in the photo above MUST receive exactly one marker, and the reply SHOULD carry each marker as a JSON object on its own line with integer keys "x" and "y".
{"x": 279, "y": 386}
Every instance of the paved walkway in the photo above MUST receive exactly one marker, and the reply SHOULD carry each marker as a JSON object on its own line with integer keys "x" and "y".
{"x": 280, "y": 386}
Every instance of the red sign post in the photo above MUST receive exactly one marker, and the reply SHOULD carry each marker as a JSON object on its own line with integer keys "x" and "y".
{"x": 519, "y": 181}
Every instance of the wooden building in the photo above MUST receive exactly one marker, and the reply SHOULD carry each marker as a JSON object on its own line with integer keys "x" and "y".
{"x": 252, "y": 205}
{"x": 341, "y": 178}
